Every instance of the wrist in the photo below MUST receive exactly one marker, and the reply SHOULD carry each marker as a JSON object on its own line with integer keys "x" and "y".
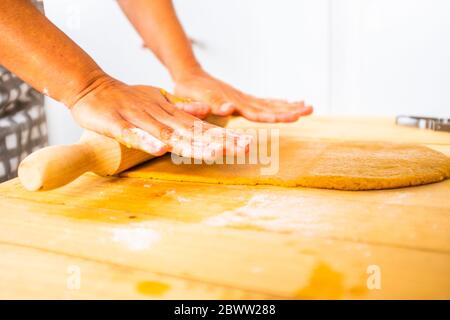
{"x": 92, "y": 82}
{"x": 187, "y": 72}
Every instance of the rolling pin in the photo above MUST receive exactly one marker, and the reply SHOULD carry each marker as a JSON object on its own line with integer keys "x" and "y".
{"x": 56, "y": 166}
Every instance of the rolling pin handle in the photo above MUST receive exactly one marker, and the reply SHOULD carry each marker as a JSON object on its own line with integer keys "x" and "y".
{"x": 55, "y": 166}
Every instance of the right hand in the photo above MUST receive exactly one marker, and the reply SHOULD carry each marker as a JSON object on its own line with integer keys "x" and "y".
{"x": 141, "y": 117}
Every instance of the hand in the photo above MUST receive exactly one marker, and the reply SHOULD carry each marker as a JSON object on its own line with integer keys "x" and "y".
{"x": 141, "y": 117}
{"x": 225, "y": 100}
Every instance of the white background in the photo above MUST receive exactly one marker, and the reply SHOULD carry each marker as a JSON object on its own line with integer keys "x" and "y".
{"x": 351, "y": 57}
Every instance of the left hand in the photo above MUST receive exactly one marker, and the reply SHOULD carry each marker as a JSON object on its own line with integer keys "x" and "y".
{"x": 224, "y": 100}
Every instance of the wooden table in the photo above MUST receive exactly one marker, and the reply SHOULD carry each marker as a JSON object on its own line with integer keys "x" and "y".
{"x": 132, "y": 238}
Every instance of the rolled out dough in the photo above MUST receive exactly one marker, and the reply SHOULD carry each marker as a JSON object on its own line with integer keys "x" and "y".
{"x": 318, "y": 164}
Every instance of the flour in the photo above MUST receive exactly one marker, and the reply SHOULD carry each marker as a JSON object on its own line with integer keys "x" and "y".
{"x": 180, "y": 199}
{"x": 170, "y": 192}
{"x": 183, "y": 199}
{"x": 263, "y": 211}
{"x": 136, "y": 238}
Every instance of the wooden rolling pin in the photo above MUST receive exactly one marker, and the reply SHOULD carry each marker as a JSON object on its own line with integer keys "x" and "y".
{"x": 56, "y": 166}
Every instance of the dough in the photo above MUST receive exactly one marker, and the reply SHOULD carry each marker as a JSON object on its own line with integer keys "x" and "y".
{"x": 318, "y": 164}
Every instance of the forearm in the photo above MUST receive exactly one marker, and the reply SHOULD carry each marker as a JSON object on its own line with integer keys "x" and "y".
{"x": 159, "y": 27}
{"x": 42, "y": 55}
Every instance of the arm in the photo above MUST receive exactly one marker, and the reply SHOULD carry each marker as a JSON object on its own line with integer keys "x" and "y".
{"x": 140, "y": 116}
{"x": 42, "y": 55}
{"x": 158, "y": 25}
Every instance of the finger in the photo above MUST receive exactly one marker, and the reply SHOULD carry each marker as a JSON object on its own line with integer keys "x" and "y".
{"x": 197, "y": 109}
{"x": 290, "y": 116}
{"x": 184, "y": 123}
{"x": 282, "y": 103}
{"x": 127, "y": 134}
{"x": 286, "y": 111}
{"x": 253, "y": 111}
{"x": 140, "y": 139}
{"x": 201, "y": 134}
{"x": 220, "y": 105}
{"x": 223, "y": 108}
{"x": 265, "y": 112}
{"x": 191, "y": 147}
{"x": 235, "y": 143}
{"x": 162, "y": 119}
{"x": 269, "y": 116}
{"x": 279, "y": 103}
{"x": 117, "y": 126}
{"x": 185, "y": 140}
{"x": 145, "y": 133}
{"x": 212, "y": 138}
{"x": 256, "y": 114}
{"x": 278, "y": 106}
{"x": 308, "y": 110}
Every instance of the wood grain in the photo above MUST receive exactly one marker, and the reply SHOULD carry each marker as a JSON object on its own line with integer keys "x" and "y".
{"x": 135, "y": 238}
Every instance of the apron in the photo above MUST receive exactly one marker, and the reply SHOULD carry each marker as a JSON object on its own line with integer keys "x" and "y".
{"x": 23, "y": 126}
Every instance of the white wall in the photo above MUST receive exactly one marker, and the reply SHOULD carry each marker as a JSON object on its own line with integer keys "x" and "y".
{"x": 344, "y": 56}
{"x": 391, "y": 57}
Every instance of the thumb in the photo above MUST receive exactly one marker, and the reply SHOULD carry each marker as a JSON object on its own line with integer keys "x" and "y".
{"x": 197, "y": 109}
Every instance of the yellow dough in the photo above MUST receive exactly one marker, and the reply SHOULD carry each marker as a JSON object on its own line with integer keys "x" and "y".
{"x": 318, "y": 164}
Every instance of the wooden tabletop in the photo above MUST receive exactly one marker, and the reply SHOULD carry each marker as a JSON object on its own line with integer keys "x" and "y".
{"x": 133, "y": 238}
